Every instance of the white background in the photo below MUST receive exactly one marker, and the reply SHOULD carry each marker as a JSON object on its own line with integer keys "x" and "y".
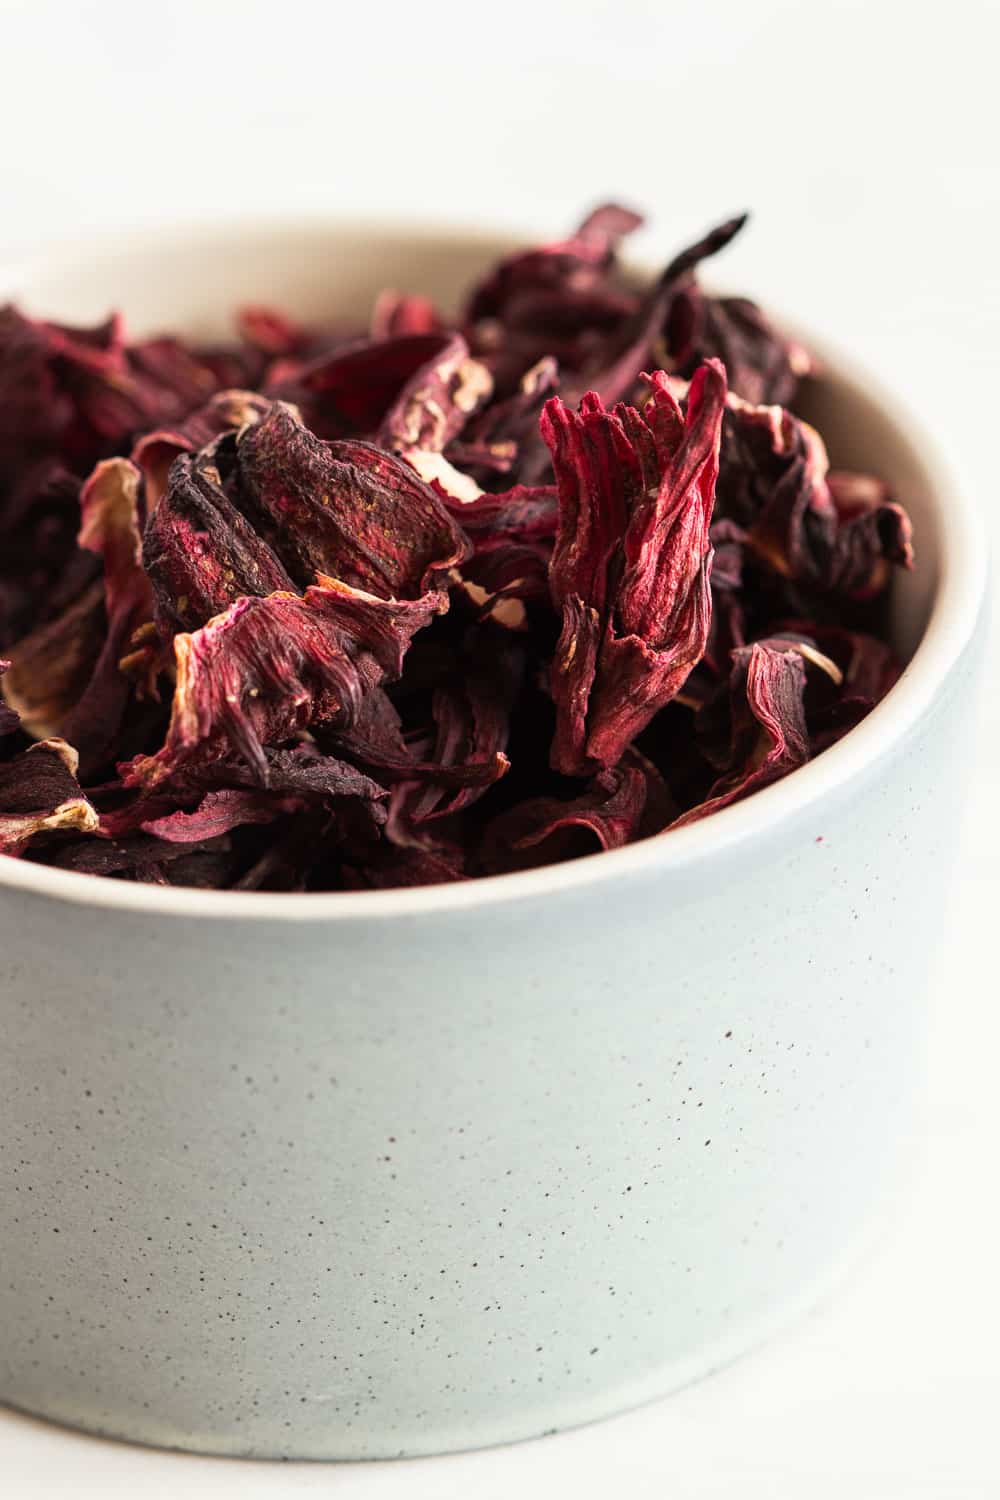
{"x": 864, "y": 136}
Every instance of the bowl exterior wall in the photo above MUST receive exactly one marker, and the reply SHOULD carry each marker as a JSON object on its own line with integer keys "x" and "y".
{"x": 371, "y": 1187}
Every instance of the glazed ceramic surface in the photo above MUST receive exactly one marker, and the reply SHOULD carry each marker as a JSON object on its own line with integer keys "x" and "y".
{"x": 358, "y": 1175}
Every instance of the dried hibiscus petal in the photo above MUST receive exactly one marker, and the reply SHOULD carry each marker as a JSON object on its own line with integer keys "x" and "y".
{"x": 346, "y": 509}
{"x": 471, "y": 712}
{"x": 42, "y": 569}
{"x": 545, "y": 830}
{"x": 570, "y": 265}
{"x": 138, "y": 856}
{"x": 220, "y": 812}
{"x": 437, "y": 401}
{"x": 772, "y": 482}
{"x": 82, "y": 393}
{"x": 348, "y": 391}
{"x": 268, "y": 668}
{"x": 768, "y": 734}
{"x": 50, "y": 668}
{"x": 388, "y": 868}
{"x": 872, "y": 533}
{"x": 835, "y": 532}
{"x": 110, "y": 517}
{"x": 39, "y": 793}
{"x": 631, "y": 563}
{"x": 227, "y": 411}
{"x": 201, "y": 553}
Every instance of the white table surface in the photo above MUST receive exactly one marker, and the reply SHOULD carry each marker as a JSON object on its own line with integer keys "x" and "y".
{"x": 865, "y": 140}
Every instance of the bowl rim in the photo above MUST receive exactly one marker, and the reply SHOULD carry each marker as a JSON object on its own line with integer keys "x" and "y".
{"x": 962, "y": 564}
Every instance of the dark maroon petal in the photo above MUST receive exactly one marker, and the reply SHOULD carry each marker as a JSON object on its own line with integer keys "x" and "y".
{"x": 200, "y": 552}
{"x": 437, "y": 401}
{"x": 234, "y": 367}
{"x": 511, "y": 535}
{"x": 763, "y": 366}
{"x": 49, "y": 669}
{"x": 302, "y": 775}
{"x": 545, "y": 830}
{"x": 389, "y": 868}
{"x": 347, "y": 393}
{"x": 374, "y": 738}
{"x": 169, "y": 375}
{"x": 836, "y": 533}
{"x": 346, "y": 509}
{"x": 42, "y": 569}
{"x": 870, "y": 666}
{"x": 39, "y": 792}
{"x": 137, "y": 855}
{"x": 65, "y": 677}
{"x": 265, "y": 670}
{"x": 33, "y": 412}
{"x": 768, "y": 736}
{"x": 659, "y": 808}
{"x": 867, "y": 667}
{"x": 472, "y": 713}
{"x": 213, "y": 867}
{"x": 83, "y": 394}
{"x": 503, "y": 434}
{"x": 872, "y": 533}
{"x": 220, "y": 812}
{"x": 290, "y": 855}
{"x": 306, "y": 773}
{"x": 227, "y": 411}
{"x": 571, "y": 263}
{"x": 614, "y": 368}
{"x": 772, "y": 482}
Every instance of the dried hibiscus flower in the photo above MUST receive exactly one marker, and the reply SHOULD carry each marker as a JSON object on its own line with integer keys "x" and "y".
{"x": 418, "y": 599}
{"x": 631, "y": 563}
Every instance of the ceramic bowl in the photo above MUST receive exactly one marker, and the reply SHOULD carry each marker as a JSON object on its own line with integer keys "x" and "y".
{"x": 359, "y": 1175}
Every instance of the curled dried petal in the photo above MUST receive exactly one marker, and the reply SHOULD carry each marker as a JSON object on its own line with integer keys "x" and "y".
{"x": 49, "y": 669}
{"x": 201, "y": 553}
{"x": 39, "y": 793}
{"x": 347, "y": 392}
{"x": 268, "y": 668}
{"x": 346, "y": 509}
{"x": 545, "y": 830}
{"x": 154, "y": 453}
{"x": 768, "y": 735}
{"x": 437, "y": 401}
{"x": 218, "y": 813}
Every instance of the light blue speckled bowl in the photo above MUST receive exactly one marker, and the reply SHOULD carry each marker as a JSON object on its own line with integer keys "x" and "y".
{"x": 358, "y": 1175}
